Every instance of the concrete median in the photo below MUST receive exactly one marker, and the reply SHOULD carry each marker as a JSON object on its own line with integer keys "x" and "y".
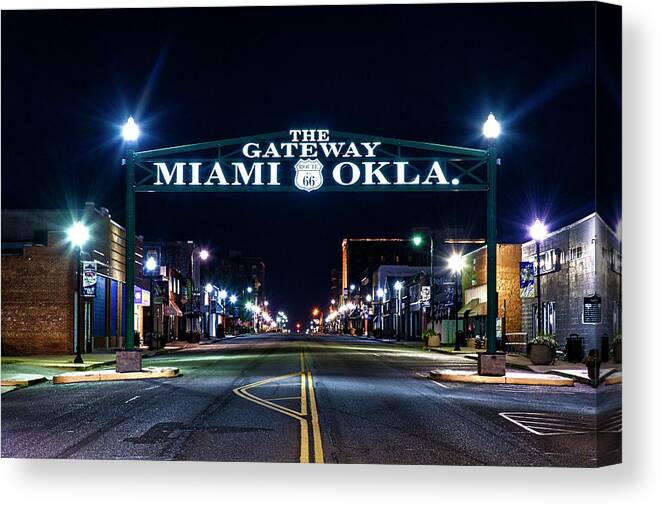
{"x": 112, "y": 375}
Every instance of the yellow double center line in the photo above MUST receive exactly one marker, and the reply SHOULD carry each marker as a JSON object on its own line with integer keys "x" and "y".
{"x": 307, "y": 385}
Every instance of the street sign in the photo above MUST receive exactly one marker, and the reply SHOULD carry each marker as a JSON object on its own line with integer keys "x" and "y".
{"x": 297, "y": 160}
{"x": 353, "y": 162}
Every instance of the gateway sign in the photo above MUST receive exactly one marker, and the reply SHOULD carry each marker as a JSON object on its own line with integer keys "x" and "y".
{"x": 301, "y": 161}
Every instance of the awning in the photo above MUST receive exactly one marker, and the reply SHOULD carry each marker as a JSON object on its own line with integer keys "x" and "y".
{"x": 172, "y": 310}
{"x": 479, "y": 311}
{"x": 469, "y": 306}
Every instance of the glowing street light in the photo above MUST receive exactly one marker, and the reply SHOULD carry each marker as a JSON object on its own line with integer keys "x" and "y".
{"x": 266, "y": 303}
{"x": 398, "y": 285}
{"x": 209, "y": 288}
{"x": 223, "y": 294}
{"x": 368, "y": 298}
{"x": 204, "y": 254}
{"x": 491, "y": 127}
{"x": 249, "y": 290}
{"x": 151, "y": 264}
{"x": 131, "y": 131}
{"x": 456, "y": 263}
{"x": 233, "y": 299}
{"x": 538, "y": 230}
{"x": 78, "y": 234}
{"x": 538, "y": 233}
{"x": 352, "y": 287}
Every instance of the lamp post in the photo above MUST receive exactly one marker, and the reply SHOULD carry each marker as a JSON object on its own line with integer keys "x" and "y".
{"x": 78, "y": 234}
{"x": 209, "y": 290}
{"x": 398, "y": 288}
{"x": 130, "y": 132}
{"x": 491, "y": 131}
{"x": 538, "y": 233}
{"x": 417, "y": 241}
{"x": 202, "y": 255}
{"x": 456, "y": 265}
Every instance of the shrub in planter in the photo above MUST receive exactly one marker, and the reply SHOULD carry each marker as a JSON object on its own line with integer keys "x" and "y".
{"x": 430, "y": 338}
{"x": 617, "y": 348}
{"x": 541, "y": 349}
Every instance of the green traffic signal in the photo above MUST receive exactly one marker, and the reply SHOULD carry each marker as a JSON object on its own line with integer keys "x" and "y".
{"x": 417, "y": 240}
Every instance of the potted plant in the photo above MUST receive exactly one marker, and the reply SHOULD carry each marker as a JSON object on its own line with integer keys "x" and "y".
{"x": 430, "y": 338}
{"x": 541, "y": 349}
{"x": 593, "y": 362}
{"x": 617, "y": 348}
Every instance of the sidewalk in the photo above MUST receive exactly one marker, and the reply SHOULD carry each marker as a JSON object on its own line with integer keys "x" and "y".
{"x": 575, "y": 371}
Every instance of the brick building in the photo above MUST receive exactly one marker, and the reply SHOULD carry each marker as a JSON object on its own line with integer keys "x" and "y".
{"x": 474, "y": 290}
{"x": 39, "y": 282}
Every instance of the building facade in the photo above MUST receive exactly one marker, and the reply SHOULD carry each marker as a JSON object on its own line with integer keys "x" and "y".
{"x": 40, "y": 302}
{"x": 581, "y": 284}
{"x": 474, "y": 292}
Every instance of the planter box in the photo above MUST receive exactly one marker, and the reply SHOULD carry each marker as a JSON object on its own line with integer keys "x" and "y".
{"x": 434, "y": 341}
{"x": 540, "y": 354}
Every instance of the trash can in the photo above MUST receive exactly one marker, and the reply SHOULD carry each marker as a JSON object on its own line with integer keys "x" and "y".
{"x": 605, "y": 348}
{"x": 460, "y": 338}
{"x": 574, "y": 348}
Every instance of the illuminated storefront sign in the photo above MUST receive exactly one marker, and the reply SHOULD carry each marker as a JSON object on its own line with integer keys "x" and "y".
{"x": 301, "y": 161}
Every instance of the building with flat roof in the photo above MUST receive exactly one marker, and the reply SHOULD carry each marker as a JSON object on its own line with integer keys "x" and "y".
{"x": 581, "y": 283}
{"x": 40, "y": 300}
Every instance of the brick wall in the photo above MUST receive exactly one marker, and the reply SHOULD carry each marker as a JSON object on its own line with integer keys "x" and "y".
{"x": 507, "y": 280}
{"x": 37, "y": 300}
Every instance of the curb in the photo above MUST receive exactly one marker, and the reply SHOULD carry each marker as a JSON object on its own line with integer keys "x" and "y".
{"x": 22, "y": 381}
{"x": 510, "y": 378}
{"x": 111, "y": 375}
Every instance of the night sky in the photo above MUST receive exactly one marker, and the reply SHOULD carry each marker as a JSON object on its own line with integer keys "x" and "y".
{"x": 427, "y": 73}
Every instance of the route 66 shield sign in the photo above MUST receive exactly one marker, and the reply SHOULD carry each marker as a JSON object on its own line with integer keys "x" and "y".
{"x": 308, "y": 174}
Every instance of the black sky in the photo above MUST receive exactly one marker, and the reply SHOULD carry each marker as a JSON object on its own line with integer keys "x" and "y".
{"x": 428, "y": 73}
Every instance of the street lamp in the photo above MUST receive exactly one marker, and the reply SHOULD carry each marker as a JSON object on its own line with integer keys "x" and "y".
{"x": 417, "y": 241}
{"x": 130, "y": 130}
{"x": 78, "y": 234}
{"x": 209, "y": 290}
{"x": 203, "y": 255}
{"x": 456, "y": 265}
{"x": 491, "y": 127}
{"x": 538, "y": 233}
{"x": 398, "y": 288}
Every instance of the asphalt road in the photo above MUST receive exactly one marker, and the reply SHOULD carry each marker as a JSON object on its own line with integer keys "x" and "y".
{"x": 271, "y": 398}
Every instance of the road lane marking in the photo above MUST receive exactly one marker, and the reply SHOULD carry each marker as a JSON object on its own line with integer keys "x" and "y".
{"x": 545, "y": 424}
{"x": 316, "y": 431}
{"x": 306, "y": 385}
{"x": 134, "y": 398}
